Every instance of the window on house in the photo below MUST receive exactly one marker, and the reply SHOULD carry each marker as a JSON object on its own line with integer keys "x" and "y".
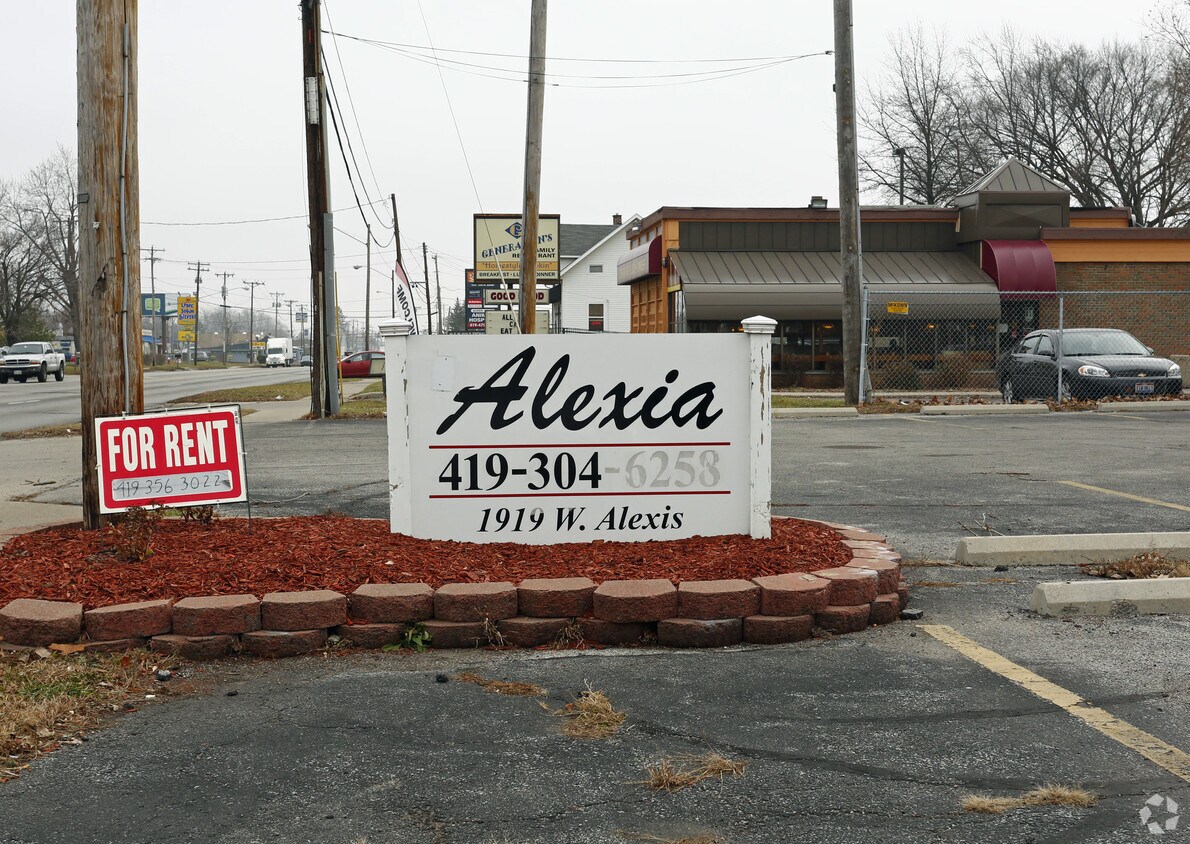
{"x": 595, "y": 317}
{"x": 596, "y": 268}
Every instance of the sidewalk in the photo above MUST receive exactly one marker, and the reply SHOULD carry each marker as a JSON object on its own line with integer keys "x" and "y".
{"x": 41, "y": 485}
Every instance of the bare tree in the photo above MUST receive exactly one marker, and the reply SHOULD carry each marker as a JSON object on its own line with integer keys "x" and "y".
{"x": 918, "y": 107}
{"x": 44, "y": 211}
{"x": 23, "y": 285}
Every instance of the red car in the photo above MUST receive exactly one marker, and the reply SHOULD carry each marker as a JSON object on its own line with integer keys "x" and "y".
{"x": 361, "y": 365}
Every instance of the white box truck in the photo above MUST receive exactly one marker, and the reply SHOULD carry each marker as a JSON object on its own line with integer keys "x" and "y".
{"x": 279, "y": 352}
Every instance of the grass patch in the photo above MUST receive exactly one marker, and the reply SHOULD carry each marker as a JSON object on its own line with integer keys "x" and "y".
{"x": 374, "y": 387}
{"x": 1049, "y": 794}
{"x": 685, "y": 771}
{"x": 362, "y": 409}
{"x": 800, "y": 401}
{"x": 592, "y": 716}
{"x": 45, "y": 432}
{"x": 47, "y": 702}
{"x": 879, "y": 406}
{"x": 290, "y": 391}
{"x": 502, "y": 687}
{"x": 1140, "y": 567}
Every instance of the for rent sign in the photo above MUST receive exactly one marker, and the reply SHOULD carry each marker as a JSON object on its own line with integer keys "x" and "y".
{"x": 572, "y": 438}
{"x": 177, "y": 458}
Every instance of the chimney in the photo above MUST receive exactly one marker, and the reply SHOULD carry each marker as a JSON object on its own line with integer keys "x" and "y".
{"x": 818, "y": 202}
{"x": 617, "y": 220}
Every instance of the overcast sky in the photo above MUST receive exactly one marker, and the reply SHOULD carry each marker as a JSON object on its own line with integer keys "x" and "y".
{"x": 221, "y": 122}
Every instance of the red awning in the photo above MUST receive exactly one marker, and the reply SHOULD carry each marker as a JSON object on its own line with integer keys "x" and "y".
{"x": 642, "y": 262}
{"x": 1021, "y": 267}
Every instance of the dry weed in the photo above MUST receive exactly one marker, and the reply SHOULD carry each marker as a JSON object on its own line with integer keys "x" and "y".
{"x": 989, "y": 805}
{"x": 686, "y": 839}
{"x": 592, "y": 716}
{"x": 685, "y": 771}
{"x": 492, "y": 633}
{"x": 1049, "y": 794}
{"x": 502, "y": 687}
{"x": 1140, "y": 567}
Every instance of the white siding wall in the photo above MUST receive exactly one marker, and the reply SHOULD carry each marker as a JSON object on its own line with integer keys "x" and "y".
{"x": 581, "y": 287}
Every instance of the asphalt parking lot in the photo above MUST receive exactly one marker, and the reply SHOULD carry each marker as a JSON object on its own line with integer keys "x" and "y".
{"x": 871, "y": 736}
{"x": 925, "y": 482}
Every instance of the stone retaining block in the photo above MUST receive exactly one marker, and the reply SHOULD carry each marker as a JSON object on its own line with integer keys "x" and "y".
{"x": 863, "y": 544}
{"x": 885, "y": 609}
{"x": 29, "y": 621}
{"x": 556, "y": 597}
{"x": 276, "y": 644}
{"x": 888, "y": 573}
{"x": 627, "y": 601}
{"x": 456, "y": 634}
{"x": 792, "y": 594}
{"x": 531, "y": 632}
{"x": 603, "y": 632}
{"x": 699, "y": 633}
{"x": 372, "y": 635}
{"x": 126, "y": 621}
{"x": 850, "y": 586}
{"x": 709, "y": 599}
{"x": 860, "y": 535}
{"x": 903, "y": 593}
{"x": 299, "y": 611}
{"x": 875, "y": 554}
{"x": 469, "y": 602}
{"x": 777, "y": 629}
{"x": 851, "y": 619}
{"x": 195, "y": 647}
{"x": 216, "y": 615}
{"x": 392, "y": 603}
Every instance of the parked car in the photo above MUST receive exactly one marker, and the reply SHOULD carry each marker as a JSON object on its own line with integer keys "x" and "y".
{"x": 201, "y": 357}
{"x": 359, "y": 365}
{"x": 307, "y": 360}
{"x": 32, "y": 359}
{"x": 1095, "y": 363}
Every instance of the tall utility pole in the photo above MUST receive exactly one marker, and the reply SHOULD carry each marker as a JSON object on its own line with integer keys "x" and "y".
{"x": 425, "y": 265}
{"x": 225, "y": 277}
{"x": 291, "y": 303}
{"x": 438, "y": 289}
{"x": 324, "y": 395}
{"x": 198, "y": 267}
{"x": 112, "y": 382}
{"x": 159, "y": 329}
{"x": 528, "y": 309}
{"x": 397, "y": 240}
{"x": 252, "y": 285}
{"x": 368, "y": 295}
{"x": 276, "y": 314}
{"x": 849, "y": 224}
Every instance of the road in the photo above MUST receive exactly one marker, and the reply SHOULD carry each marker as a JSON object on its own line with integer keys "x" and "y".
{"x": 32, "y": 404}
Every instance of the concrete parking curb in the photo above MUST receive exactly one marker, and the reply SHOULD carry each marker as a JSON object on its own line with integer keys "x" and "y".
{"x": 1142, "y": 406}
{"x": 1118, "y": 598}
{"x": 1068, "y": 549}
{"x": 982, "y": 409}
{"x": 812, "y": 412}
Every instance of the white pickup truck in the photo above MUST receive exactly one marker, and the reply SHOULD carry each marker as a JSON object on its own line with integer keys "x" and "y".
{"x": 35, "y": 358}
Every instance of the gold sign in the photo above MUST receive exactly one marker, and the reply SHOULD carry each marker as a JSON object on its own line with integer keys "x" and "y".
{"x": 898, "y": 307}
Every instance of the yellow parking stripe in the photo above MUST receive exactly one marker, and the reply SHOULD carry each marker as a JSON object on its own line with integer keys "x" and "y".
{"x": 1167, "y": 756}
{"x": 1139, "y": 498}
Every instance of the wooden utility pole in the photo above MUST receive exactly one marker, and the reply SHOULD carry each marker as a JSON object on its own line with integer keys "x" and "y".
{"x": 225, "y": 277}
{"x": 849, "y": 223}
{"x": 425, "y": 265}
{"x": 159, "y": 329}
{"x": 528, "y": 307}
{"x": 112, "y": 377}
{"x": 368, "y": 295}
{"x": 252, "y": 285}
{"x": 438, "y": 297}
{"x": 198, "y": 267}
{"x": 397, "y": 240}
{"x": 324, "y": 394}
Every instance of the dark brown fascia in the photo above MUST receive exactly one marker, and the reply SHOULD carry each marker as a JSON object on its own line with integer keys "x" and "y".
{"x": 1134, "y": 233}
{"x": 876, "y": 213}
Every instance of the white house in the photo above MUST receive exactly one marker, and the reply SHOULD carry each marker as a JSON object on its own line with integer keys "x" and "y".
{"x": 588, "y": 298}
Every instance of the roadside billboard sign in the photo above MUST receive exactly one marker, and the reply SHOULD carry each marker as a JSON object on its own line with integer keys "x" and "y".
{"x": 498, "y": 247}
{"x": 563, "y": 438}
{"x": 187, "y": 310}
{"x": 499, "y": 296}
{"x": 509, "y": 322}
{"x": 176, "y": 458}
{"x": 185, "y": 336}
{"x": 152, "y": 304}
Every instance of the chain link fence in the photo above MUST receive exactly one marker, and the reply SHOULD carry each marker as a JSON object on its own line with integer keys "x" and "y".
{"x": 964, "y": 343}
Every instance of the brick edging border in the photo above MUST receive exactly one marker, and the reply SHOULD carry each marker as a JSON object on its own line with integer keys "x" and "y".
{"x": 775, "y": 609}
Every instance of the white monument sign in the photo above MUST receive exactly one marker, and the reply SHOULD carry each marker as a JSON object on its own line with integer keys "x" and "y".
{"x": 571, "y": 438}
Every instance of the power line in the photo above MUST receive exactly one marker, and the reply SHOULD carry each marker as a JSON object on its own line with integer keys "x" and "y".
{"x": 243, "y": 222}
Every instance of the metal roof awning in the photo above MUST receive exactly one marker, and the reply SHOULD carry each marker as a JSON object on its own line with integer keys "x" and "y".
{"x": 1020, "y": 267}
{"x": 808, "y": 285}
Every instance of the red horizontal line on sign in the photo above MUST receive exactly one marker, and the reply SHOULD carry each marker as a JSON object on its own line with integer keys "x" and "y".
{"x": 583, "y": 494}
{"x": 577, "y": 445}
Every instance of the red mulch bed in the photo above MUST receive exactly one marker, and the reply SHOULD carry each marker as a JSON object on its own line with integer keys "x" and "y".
{"x": 341, "y": 553}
